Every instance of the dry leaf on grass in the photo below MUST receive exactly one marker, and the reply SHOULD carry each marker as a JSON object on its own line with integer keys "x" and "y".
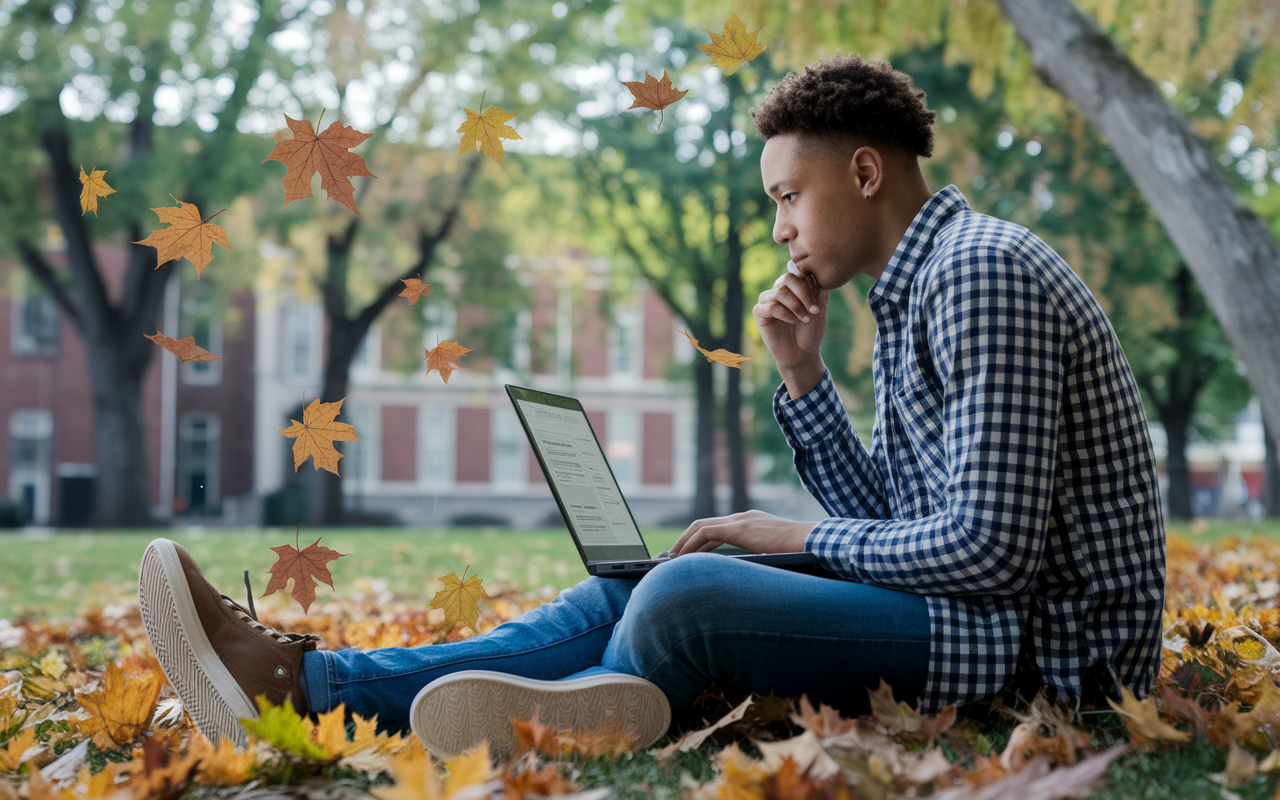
{"x": 460, "y": 600}
{"x": 22, "y": 747}
{"x": 185, "y": 349}
{"x": 305, "y": 567}
{"x": 533, "y": 736}
{"x": 93, "y": 187}
{"x": 1038, "y": 782}
{"x": 222, "y": 765}
{"x": 329, "y": 154}
{"x": 444, "y": 358}
{"x": 316, "y": 434}
{"x": 187, "y": 236}
{"x": 694, "y": 739}
{"x": 733, "y": 47}
{"x": 1142, "y": 719}
{"x": 121, "y": 709}
{"x": 485, "y": 132}
{"x": 414, "y": 288}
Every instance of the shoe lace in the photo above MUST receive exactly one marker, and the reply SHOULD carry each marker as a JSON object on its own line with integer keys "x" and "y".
{"x": 249, "y": 616}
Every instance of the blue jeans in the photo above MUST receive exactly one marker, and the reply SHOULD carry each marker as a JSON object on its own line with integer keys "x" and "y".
{"x": 697, "y": 619}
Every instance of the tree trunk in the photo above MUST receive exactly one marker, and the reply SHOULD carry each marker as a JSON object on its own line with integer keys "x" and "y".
{"x": 1271, "y": 480}
{"x": 1235, "y": 259}
{"x": 1175, "y": 426}
{"x": 704, "y": 497}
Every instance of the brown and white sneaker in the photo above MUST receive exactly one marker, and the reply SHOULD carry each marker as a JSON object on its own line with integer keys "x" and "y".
{"x": 214, "y": 652}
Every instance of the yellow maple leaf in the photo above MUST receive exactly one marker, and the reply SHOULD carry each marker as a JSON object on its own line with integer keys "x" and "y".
{"x": 719, "y": 356}
{"x": 223, "y": 765}
{"x": 733, "y": 47}
{"x": 187, "y": 236}
{"x": 122, "y": 709}
{"x": 468, "y": 769}
{"x": 52, "y": 664}
{"x": 94, "y": 186}
{"x": 460, "y": 601}
{"x": 415, "y": 288}
{"x": 1143, "y": 721}
{"x": 444, "y": 358}
{"x": 316, "y": 434}
{"x": 415, "y": 775}
{"x": 486, "y": 132}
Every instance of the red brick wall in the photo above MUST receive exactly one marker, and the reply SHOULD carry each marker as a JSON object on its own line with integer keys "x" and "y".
{"x": 399, "y": 443}
{"x": 591, "y": 337}
{"x": 656, "y": 450}
{"x": 597, "y": 420}
{"x": 474, "y": 446}
{"x": 658, "y": 336}
{"x": 542, "y": 341}
{"x": 535, "y": 471}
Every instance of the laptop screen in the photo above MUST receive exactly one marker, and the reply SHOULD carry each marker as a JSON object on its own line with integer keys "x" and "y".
{"x": 579, "y": 476}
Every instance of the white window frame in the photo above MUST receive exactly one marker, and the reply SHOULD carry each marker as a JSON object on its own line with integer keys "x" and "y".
{"x": 625, "y": 350}
{"x": 437, "y": 446}
{"x": 509, "y": 457}
{"x": 301, "y": 320}
{"x": 201, "y": 373}
{"x": 26, "y": 343}
{"x": 33, "y": 423}
{"x": 624, "y": 445}
{"x": 213, "y": 458}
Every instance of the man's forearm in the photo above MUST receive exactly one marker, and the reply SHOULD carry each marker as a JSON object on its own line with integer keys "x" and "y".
{"x": 801, "y": 378}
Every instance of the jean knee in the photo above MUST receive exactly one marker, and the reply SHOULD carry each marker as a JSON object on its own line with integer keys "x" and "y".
{"x": 681, "y": 586}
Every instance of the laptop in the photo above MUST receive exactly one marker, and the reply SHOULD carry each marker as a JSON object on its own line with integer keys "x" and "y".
{"x": 590, "y": 500}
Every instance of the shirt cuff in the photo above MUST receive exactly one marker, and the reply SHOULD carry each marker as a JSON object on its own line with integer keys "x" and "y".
{"x": 811, "y": 418}
{"x": 836, "y": 541}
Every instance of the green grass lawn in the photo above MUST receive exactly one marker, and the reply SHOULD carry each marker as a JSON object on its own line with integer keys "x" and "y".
{"x": 60, "y": 573}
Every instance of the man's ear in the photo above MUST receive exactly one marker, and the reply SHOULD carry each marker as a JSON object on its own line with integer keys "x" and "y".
{"x": 866, "y": 170}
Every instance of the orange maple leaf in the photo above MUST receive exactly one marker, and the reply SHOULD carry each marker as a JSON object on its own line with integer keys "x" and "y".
{"x": 329, "y": 154}
{"x": 720, "y": 356}
{"x": 185, "y": 349}
{"x": 95, "y": 186}
{"x": 121, "y": 709}
{"x": 187, "y": 235}
{"x": 485, "y": 132}
{"x": 316, "y": 434}
{"x": 415, "y": 288}
{"x": 305, "y": 566}
{"x": 733, "y": 47}
{"x": 653, "y": 93}
{"x": 444, "y": 357}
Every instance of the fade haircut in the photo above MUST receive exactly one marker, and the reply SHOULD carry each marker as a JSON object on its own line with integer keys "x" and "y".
{"x": 843, "y": 100}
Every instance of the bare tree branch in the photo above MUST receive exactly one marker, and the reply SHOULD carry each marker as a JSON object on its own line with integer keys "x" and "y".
{"x": 42, "y": 271}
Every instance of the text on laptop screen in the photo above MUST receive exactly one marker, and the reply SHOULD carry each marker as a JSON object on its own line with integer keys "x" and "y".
{"x": 577, "y": 468}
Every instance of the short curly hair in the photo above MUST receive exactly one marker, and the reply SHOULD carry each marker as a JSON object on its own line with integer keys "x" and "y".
{"x": 848, "y": 98}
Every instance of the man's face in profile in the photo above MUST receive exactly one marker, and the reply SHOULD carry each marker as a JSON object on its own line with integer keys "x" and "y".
{"x": 822, "y": 217}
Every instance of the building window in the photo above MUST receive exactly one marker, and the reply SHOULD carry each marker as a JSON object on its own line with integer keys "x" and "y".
{"x": 437, "y": 442}
{"x": 37, "y": 332}
{"x": 367, "y": 361}
{"x": 626, "y": 339}
{"x": 200, "y": 318}
{"x": 623, "y": 446}
{"x": 301, "y": 341}
{"x": 442, "y": 320}
{"x": 30, "y": 462}
{"x": 199, "y": 439}
{"x": 510, "y": 459}
{"x": 360, "y": 458}
{"x": 684, "y": 451}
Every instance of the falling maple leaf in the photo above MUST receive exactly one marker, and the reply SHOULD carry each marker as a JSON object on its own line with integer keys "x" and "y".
{"x": 653, "y": 93}
{"x": 185, "y": 349}
{"x": 444, "y": 357}
{"x": 187, "y": 236}
{"x": 121, "y": 709}
{"x": 733, "y": 47}
{"x": 460, "y": 601}
{"x": 329, "y": 154}
{"x": 720, "y": 356}
{"x": 94, "y": 186}
{"x": 486, "y": 131}
{"x": 305, "y": 566}
{"x": 415, "y": 288}
{"x": 316, "y": 434}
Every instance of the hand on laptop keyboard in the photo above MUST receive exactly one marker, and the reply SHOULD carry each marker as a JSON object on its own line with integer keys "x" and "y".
{"x": 664, "y": 555}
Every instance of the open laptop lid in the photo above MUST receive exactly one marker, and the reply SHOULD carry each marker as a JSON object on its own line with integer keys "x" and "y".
{"x": 579, "y": 476}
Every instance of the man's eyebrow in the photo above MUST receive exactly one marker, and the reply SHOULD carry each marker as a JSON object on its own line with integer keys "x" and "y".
{"x": 774, "y": 188}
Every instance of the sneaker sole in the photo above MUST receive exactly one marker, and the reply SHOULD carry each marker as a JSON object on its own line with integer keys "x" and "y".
{"x": 208, "y": 691}
{"x": 455, "y": 713}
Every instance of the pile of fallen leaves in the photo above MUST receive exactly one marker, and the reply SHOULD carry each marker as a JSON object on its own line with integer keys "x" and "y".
{"x": 85, "y": 713}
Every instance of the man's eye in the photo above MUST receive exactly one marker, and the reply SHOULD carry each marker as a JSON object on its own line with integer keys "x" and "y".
{"x": 788, "y": 194}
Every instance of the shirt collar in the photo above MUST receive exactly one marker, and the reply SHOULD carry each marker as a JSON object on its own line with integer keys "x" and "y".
{"x": 916, "y": 244}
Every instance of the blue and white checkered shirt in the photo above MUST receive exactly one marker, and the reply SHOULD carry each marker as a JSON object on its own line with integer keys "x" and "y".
{"x": 1010, "y": 476}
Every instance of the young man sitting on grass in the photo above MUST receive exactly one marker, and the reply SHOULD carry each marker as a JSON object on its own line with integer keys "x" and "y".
{"x": 1003, "y": 528}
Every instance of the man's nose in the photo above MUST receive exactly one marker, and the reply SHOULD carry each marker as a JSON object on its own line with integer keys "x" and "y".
{"x": 783, "y": 231}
